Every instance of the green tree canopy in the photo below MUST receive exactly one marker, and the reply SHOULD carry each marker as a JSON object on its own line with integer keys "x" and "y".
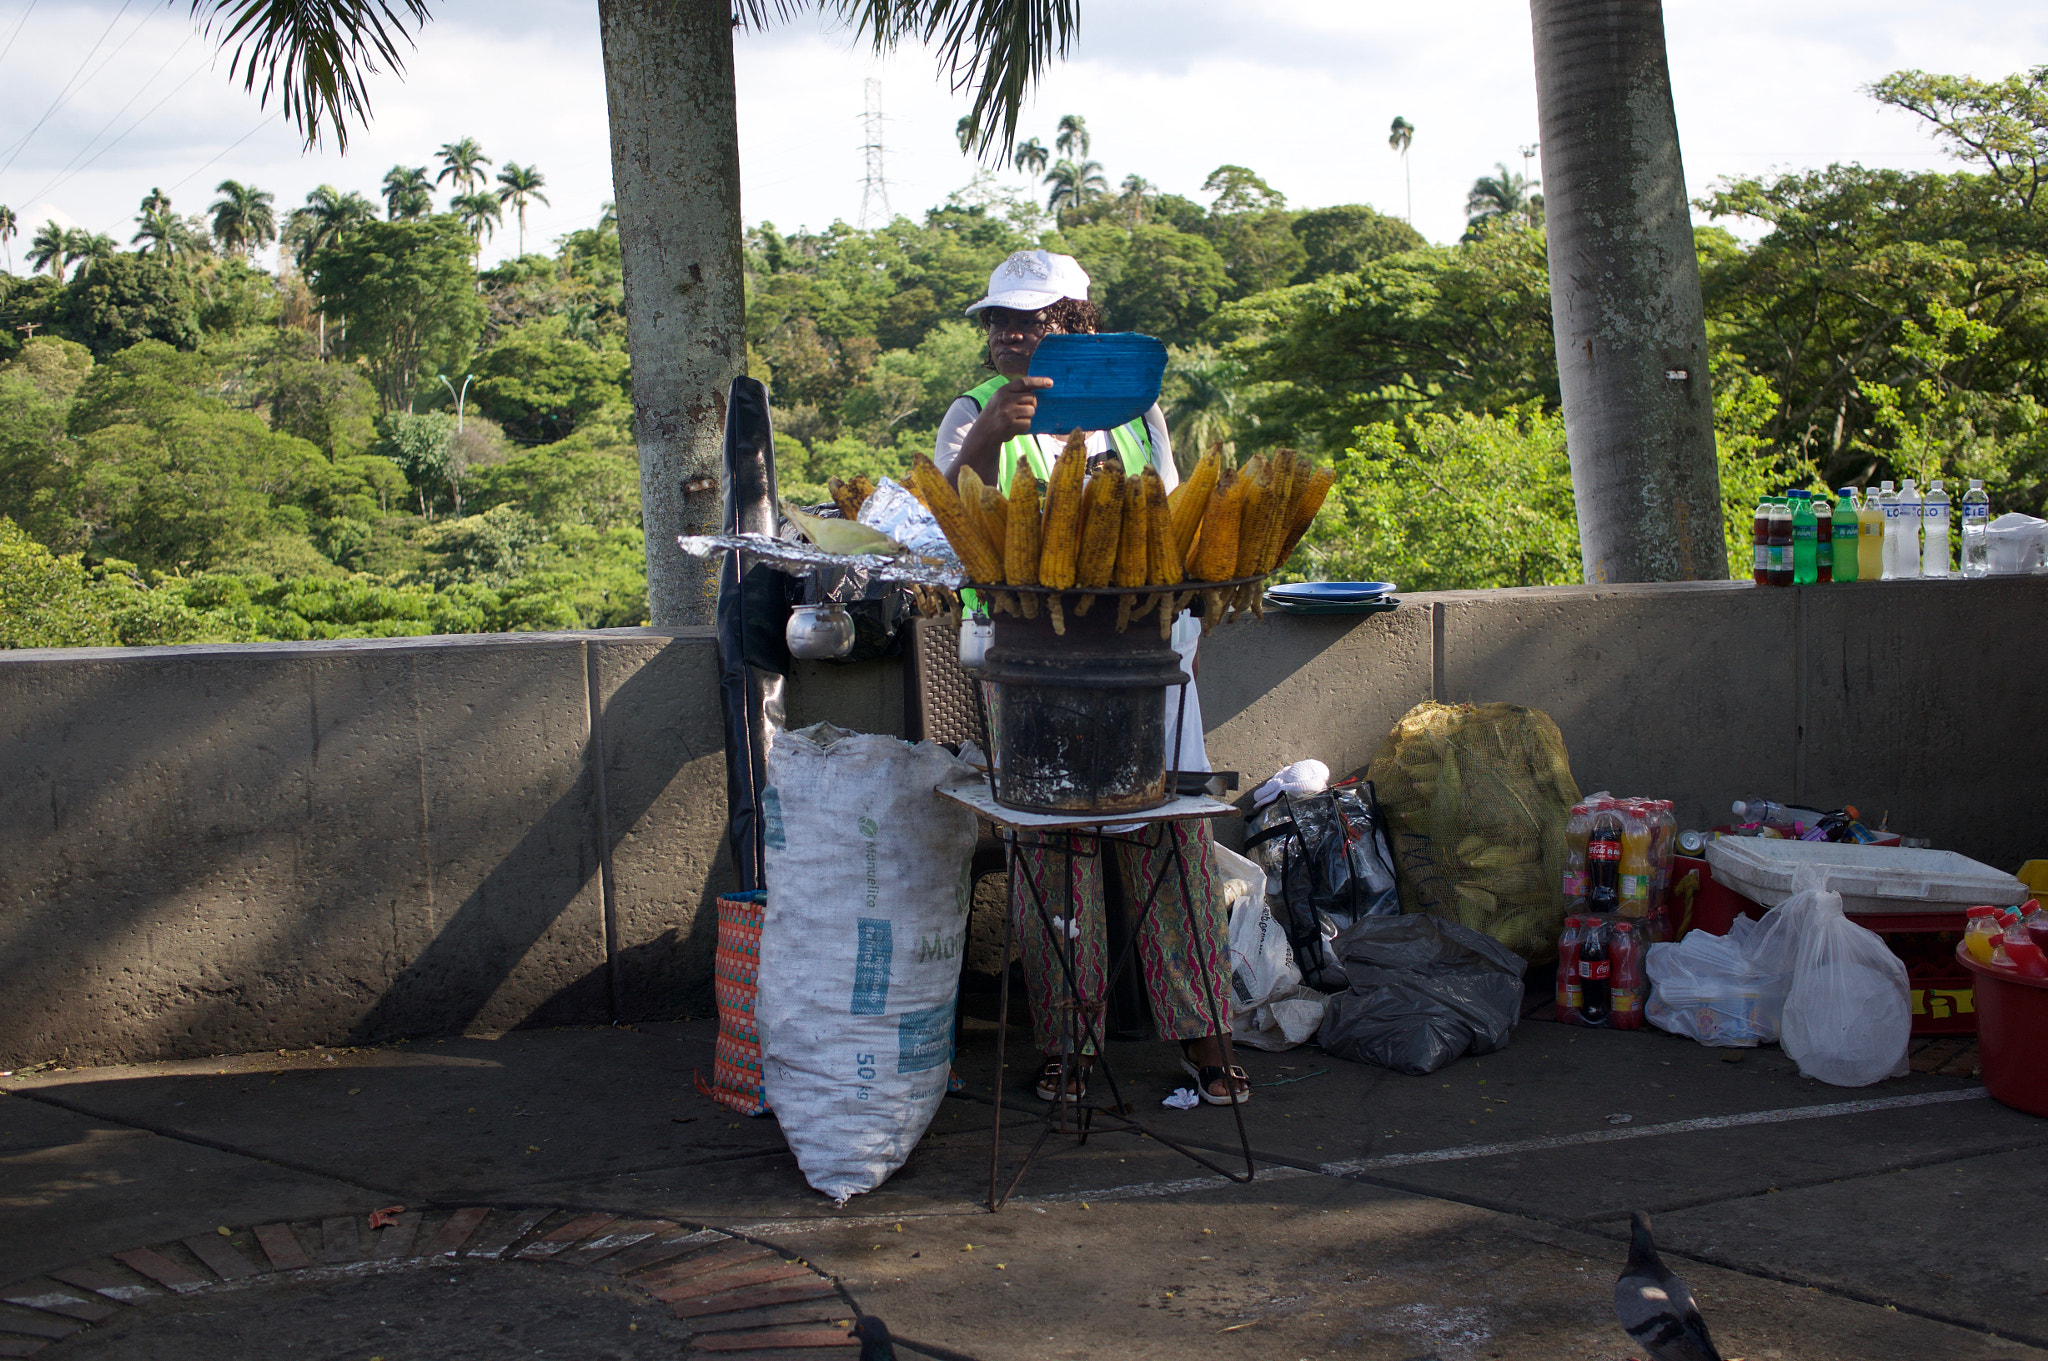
{"x": 409, "y": 293}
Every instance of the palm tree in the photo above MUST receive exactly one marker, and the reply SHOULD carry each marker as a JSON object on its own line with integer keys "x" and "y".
{"x": 1201, "y": 399}
{"x": 243, "y": 218}
{"x": 1136, "y": 189}
{"x": 1073, "y": 185}
{"x": 82, "y": 245}
{"x": 462, "y": 162}
{"x": 1398, "y": 137}
{"x": 1030, "y": 157}
{"x": 1073, "y": 136}
{"x": 1630, "y": 328}
{"x": 516, "y": 185}
{"x": 480, "y": 212}
{"x": 327, "y": 216}
{"x": 1502, "y": 197}
{"x": 408, "y": 193}
{"x": 46, "y": 249}
{"x": 161, "y": 232}
{"x": 675, "y": 162}
{"x": 9, "y": 228}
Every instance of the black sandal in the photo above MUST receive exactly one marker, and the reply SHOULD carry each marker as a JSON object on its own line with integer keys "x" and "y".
{"x": 1206, "y": 1075}
{"x": 1073, "y": 1076}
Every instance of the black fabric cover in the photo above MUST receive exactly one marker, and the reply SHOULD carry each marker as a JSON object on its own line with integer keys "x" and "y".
{"x": 1424, "y": 991}
{"x": 753, "y": 608}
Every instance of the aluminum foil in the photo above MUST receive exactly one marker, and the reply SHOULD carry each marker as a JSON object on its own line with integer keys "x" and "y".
{"x": 895, "y": 512}
{"x": 800, "y": 559}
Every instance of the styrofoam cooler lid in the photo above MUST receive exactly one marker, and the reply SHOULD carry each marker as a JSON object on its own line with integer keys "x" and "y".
{"x": 1869, "y": 878}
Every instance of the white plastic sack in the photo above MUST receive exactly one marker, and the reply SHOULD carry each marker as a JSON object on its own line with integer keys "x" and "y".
{"x": 1849, "y": 1013}
{"x": 1715, "y": 989}
{"x": 860, "y": 948}
{"x": 1269, "y": 1006}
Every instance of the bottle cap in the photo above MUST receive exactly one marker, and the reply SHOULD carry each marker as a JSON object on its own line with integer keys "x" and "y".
{"x": 1975, "y": 483}
{"x": 1985, "y": 911}
{"x": 1848, "y": 491}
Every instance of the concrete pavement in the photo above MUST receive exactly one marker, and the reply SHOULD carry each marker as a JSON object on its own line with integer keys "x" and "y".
{"x": 1474, "y": 1213}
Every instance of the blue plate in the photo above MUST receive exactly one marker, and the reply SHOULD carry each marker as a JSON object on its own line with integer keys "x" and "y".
{"x": 1332, "y": 592}
{"x": 1098, "y": 382}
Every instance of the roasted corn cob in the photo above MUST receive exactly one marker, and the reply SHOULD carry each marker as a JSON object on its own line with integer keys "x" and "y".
{"x": 1020, "y": 538}
{"x": 843, "y": 497}
{"x": 1162, "y": 562}
{"x": 1215, "y": 555}
{"x": 1059, "y": 544}
{"x": 1305, "y": 507}
{"x": 1190, "y": 502}
{"x": 1101, "y": 527}
{"x": 995, "y": 522}
{"x": 977, "y": 555}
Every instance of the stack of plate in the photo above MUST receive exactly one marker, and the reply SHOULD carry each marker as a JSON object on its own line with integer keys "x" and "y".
{"x": 1333, "y": 597}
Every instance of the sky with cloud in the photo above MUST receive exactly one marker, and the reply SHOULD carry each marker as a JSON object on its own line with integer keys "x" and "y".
{"x": 105, "y": 100}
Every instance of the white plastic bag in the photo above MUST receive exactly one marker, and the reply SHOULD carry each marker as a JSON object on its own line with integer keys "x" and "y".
{"x": 1269, "y": 1007}
{"x": 860, "y": 948}
{"x": 1849, "y": 1014}
{"x": 1716, "y": 989}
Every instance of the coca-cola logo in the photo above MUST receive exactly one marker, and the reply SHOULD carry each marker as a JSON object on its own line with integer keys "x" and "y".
{"x": 1603, "y": 850}
{"x": 1593, "y": 968}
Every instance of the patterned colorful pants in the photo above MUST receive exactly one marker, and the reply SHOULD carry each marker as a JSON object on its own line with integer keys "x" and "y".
{"x": 1168, "y": 955}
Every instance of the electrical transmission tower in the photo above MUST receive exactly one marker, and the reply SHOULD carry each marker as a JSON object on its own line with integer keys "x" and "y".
{"x": 874, "y": 193}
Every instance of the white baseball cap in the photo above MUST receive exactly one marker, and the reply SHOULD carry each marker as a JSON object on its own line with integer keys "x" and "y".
{"x": 1031, "y": 279}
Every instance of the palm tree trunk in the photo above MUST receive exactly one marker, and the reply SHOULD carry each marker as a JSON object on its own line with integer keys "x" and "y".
{"x": 676, "y": 175}
{"x": 1625, "y": 296}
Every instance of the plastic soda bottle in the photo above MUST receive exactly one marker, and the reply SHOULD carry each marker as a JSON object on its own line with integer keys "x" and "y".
{"x": 1576, "y": 825}
{"x": 1603, "y": 859}
{"x": 1823, "y": 539}
{"x": 1935, "y": 558}
{"x": 1625, "y": 976}
{"x": 2035, "y": 918}
{"x": 1805, "y": 539}
{"x": 1594, "y": 973}
{"x": 1760, "y": 543}
{"x": 1635, "y": 859}
{"x": 1976, "y": 520}
{"x": 1781, "y": 541}
{"x": 1663, "y": 852}
{"x": 1570, "y": 995}
{"x": 1870, "y": 536}
{"x": 2023, "y": 954}
{"x": 1902, "y": 532}
{"x": 1980, "y": 933}
{"x": 1846, "y": 527}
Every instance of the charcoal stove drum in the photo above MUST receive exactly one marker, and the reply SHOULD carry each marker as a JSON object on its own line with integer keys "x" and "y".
{"x": 1079, "y": 721}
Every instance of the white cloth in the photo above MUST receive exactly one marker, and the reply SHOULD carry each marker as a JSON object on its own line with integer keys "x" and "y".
{"x": 1301, "y": 777}
{"x": 954, "y": 424}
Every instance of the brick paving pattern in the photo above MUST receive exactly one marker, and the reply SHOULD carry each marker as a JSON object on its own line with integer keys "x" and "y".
{"x": 742, "y": 1300}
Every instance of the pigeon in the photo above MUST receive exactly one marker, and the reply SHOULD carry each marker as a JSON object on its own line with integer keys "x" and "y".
{"x": 1655, "y": 1306}
{"x": 877, "y": 1344}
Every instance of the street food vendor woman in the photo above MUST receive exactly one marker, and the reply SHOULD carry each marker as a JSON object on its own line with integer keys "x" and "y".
{"x": 1031, "y": 295}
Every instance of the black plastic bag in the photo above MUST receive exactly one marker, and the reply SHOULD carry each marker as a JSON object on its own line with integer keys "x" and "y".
{"x": 1424, "y": 991}
{"x": 1336, "y": 866}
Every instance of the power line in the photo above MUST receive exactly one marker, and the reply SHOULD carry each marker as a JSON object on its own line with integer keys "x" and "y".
{"x": 17, "y": 29}
{"x": 67, "y": 174}
{"x": 874, "y": 192}
{"x": 260, "y": 124}
{"x": 65, "y": 93}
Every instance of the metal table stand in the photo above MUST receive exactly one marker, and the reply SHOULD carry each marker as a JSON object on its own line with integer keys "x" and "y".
{"x": 1082, "y": 1018}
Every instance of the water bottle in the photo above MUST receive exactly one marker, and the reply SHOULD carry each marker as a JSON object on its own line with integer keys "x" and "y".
{"x": 1976, "y": 519}
{"x": 1848, "y": 515}
{"x": 1935, "y": 560}
{"x": 1870, "y": 536}
{"x": 1902, "y": 533}
{"x": 1805, "y": 538}
{"x": 1888, "y": 506}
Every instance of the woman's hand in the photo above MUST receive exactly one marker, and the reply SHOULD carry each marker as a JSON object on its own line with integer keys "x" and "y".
{"x": 1007, "y": 415}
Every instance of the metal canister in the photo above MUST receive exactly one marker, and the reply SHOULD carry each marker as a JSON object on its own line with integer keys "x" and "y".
{"x": 1080, "y": 723}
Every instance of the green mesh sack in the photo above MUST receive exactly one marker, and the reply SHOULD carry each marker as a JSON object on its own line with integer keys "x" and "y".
{"x": 1476, "y": 797}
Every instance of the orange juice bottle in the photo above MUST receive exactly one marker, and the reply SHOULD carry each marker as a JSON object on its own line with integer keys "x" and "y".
{"x": 1981, "y": 934}
{"x": 1636, "y": 866}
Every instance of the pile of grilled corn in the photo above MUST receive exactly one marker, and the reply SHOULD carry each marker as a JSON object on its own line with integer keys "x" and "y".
{"x": 1108, "y": 530}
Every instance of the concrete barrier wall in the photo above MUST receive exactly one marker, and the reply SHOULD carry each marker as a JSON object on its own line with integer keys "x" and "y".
{"x": 218, "y": 849}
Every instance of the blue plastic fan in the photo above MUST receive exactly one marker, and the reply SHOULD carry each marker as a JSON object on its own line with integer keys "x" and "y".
{"x": 1098, "y": 382}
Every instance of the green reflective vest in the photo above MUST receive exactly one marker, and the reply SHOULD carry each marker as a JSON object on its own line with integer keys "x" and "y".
{"x": 1133, "y": 442}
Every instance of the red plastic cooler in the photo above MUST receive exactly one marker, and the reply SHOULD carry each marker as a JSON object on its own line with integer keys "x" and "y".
{"x": 2012, "y": 1035}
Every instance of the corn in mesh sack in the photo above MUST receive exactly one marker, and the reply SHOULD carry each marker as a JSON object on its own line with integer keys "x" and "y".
{"x": 1476, "y": 797}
